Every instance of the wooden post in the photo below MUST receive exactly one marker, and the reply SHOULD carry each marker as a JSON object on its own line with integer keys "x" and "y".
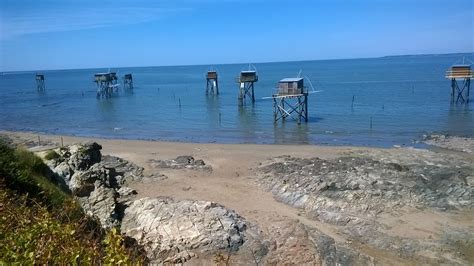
{"x": 39, "y": 142}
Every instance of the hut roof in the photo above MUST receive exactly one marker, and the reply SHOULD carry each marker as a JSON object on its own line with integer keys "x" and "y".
{"x": 287, "y": 80}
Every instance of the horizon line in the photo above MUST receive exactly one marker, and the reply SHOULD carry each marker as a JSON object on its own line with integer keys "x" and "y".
{"x": 236, "y": 63}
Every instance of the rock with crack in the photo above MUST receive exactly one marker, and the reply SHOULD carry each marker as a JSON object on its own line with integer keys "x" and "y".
{"x": 292, "y": 243}
{"x": 102, "y": 204}
{"x": 173, "y": 231}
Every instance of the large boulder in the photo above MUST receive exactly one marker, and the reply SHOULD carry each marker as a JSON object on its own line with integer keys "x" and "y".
{"x": 167, "y": 228}
{"x": 83, "y": 156}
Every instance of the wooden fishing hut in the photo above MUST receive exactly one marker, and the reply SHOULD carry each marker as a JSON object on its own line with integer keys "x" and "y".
{"x": 460, "y": 76}
{"x": 128, "y": 81}
{"x": 106, "y": 84}
{"x": 212, "y": 85}
{"x": 246, "y": 85}
{"x": 40, "y": 82}
{"x": 290, "y": 100}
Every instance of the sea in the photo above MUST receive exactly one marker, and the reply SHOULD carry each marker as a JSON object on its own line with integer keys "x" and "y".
{"x": 379, "y": 102}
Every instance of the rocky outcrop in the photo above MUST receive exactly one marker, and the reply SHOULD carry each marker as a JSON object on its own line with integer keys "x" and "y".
{"x": 174, "y": 231}
{"x": 455, "y": 143}
{"x": 338, "y": 191}
{"x": 170, "y": 231}
{"x": 352, "y": 192}
{"x": 90, "y": 179}
{"x": 181, "y": 162}
{"x": 293, "y": 243}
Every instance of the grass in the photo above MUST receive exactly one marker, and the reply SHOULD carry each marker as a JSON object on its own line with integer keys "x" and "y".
{"x": 41, "y": 224}
{"x": 51, "y": 154}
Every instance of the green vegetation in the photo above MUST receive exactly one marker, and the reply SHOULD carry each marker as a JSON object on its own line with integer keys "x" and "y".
{"x": 51, "y": 154}
{"x": 41, "y": 224}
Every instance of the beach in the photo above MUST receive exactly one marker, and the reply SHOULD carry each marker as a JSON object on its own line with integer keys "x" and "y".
{"x": 374, "y": 219}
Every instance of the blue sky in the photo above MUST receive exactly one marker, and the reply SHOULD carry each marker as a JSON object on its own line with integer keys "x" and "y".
{"x": 54, "y": 34}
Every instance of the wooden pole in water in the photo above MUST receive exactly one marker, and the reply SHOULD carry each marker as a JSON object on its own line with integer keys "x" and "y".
{"x": 370, "y": 122}
{"x": 353, "y": 97}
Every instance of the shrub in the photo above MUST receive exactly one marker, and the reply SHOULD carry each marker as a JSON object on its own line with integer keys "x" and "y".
{"x": 51, "y": 154}
{"x": 41, "y": 224}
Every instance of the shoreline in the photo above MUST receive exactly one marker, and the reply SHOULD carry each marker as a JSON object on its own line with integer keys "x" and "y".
{"x": 387, "y": 205}
{"x": 416, "y": 143}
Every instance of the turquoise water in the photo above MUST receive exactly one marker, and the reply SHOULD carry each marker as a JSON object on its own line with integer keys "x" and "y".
{"x": 405, "y": 97}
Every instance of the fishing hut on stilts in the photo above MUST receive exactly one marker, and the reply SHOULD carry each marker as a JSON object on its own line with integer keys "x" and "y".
{"x": 106, "y": 84}
{"x": 291, "y": 100}
{"x": 212, "y": 85}
{"x": 246, "y": 85}
{"x": 128, "y": 82}
{"x": 40, "y": 87}
{"x": 460, "y": 76}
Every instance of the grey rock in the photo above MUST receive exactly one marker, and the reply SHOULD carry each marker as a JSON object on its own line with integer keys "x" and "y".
{"x": 126, "y": 191}
{"x": 85, "y": 155}
{"x": 168, "y": 227}
{"x": 181, "y": 162}
{"x": 456, "y": 143}
{"x": 350, "y": 192}
{"x": 102, "y": 204}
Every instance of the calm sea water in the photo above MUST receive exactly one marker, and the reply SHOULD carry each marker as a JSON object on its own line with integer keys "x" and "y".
{"x": 405, "y": 97}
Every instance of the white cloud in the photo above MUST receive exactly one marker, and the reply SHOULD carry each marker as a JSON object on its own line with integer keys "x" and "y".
{"x": 70, "y": 19}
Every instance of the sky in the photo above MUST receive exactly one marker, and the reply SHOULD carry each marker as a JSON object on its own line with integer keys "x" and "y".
{"x": 69, "y": 34}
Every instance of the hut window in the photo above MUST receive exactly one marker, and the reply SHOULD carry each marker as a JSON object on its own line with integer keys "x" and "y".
{"x": 290, "y": 85}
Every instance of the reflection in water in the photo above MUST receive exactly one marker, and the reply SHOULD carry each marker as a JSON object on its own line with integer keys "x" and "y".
{"x": 248, "y": 123}
{"x": 107, "y": 113}
{"x": 291, "y": 133}
{"x": 460, "y": 119}
{"x": 214, "y": 110}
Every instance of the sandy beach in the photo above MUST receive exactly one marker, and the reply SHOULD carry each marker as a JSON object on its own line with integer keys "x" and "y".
{"x": 235, "y": 180}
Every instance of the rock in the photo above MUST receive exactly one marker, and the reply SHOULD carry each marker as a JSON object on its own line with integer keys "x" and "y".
{"x": 126, "y": 191}
{"x": 64, "y": 171}
{"x": 95, "y": 183}
{"x": 169, "y": 227}
{"x": 351, "y": 192}
{"x": 463, "y": 144}
{"x": 125, "y": 171}
{"x": 84, "y": 156}
{"x": 184, "y": 159}
{"x": 102, "y": 204}
{"x": 181, "y": 162}
{"x": 293, "y": 243}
